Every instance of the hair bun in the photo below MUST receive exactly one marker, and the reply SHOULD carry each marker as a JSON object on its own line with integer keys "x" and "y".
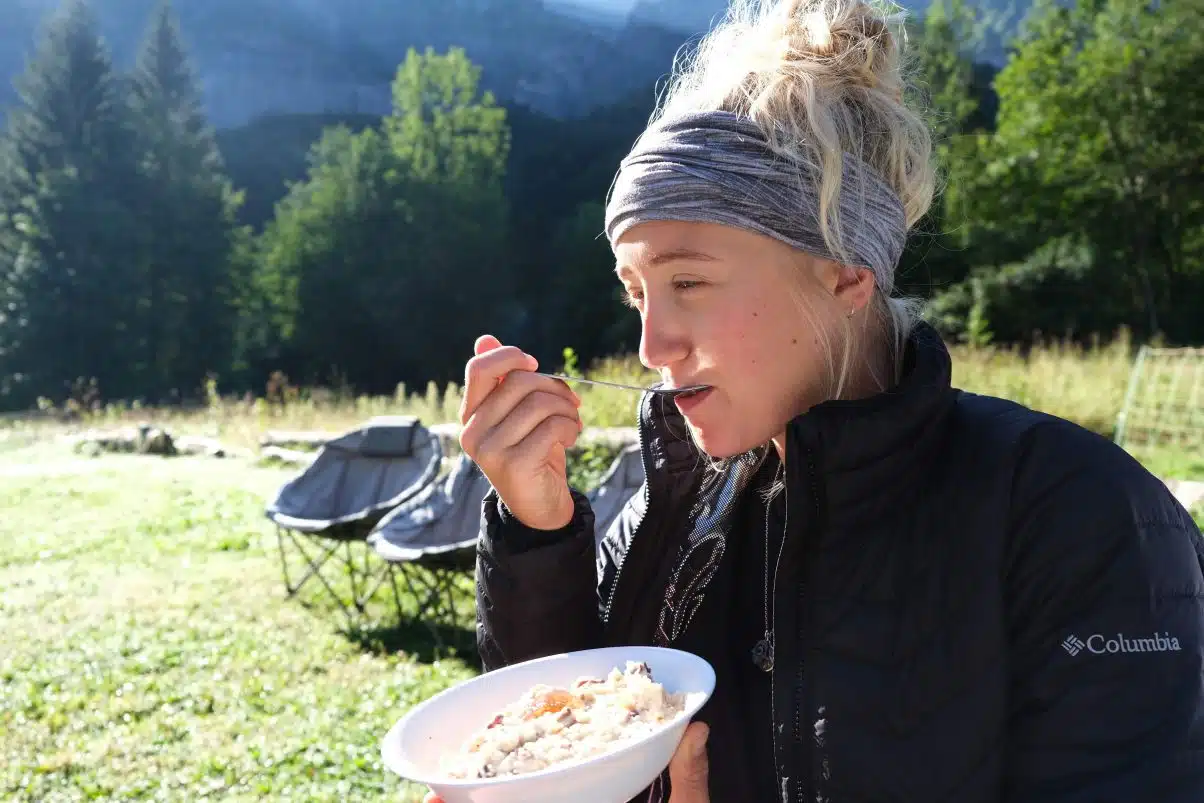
{"x": 849, "y": 38}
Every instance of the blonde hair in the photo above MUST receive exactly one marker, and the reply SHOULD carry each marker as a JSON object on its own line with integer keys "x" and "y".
{"x": 821, "y": 78}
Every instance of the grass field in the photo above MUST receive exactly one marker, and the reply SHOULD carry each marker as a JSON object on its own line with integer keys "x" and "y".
{"x": 147, "y": 651}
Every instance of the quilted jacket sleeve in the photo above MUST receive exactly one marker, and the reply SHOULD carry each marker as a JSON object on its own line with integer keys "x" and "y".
{"x": 1106, "y": 617}
{"x": 536, "y": 590}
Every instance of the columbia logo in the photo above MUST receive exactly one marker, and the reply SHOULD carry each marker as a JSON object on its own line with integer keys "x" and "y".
{"x": 1073, "y": 645}
{"x": 1099, "y": 644}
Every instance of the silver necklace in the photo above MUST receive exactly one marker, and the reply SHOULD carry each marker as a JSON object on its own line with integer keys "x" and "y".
{"x": 762, "y": 652}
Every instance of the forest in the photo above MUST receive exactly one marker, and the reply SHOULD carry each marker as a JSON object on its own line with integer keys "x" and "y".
{"x": 146, "y": 255}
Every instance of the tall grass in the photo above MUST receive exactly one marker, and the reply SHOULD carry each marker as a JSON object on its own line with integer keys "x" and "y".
{"x": 1083, "y": 384}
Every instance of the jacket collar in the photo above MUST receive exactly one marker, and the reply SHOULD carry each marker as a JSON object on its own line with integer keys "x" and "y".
{"x": 871, "y": 454}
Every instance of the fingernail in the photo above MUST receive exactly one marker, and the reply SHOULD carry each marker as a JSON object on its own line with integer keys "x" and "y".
{"x": 699, "y": 748}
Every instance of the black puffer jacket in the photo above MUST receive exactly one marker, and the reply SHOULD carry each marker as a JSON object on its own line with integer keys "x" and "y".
{"x": 977, "y": 602}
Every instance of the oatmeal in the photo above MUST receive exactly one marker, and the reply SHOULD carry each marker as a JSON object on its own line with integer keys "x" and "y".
{"x": 550, "y": 725}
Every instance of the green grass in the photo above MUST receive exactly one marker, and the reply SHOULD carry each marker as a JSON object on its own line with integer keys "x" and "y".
{"x": 147, "y": 650}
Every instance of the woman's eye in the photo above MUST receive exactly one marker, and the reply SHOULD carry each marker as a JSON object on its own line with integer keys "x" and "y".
{"x": 634, "y": 298}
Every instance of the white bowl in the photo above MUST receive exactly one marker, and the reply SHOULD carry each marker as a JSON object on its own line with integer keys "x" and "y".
{"x": 415, "y": 745}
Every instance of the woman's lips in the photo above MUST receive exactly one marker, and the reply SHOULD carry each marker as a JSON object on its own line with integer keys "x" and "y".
{"x": 688, "y": 402}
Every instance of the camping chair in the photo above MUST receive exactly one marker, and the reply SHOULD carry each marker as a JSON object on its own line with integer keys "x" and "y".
{"x": 622, "y": 480}
{"x": 336, "y": 501}
{"x": 431, "y": 542}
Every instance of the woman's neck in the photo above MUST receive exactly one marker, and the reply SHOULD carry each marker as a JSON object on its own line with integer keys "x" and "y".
{"x": 872, "y": 370}
{"x": 873, "y": 367}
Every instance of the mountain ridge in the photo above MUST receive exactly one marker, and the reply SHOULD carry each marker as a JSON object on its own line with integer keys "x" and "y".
{"x": 561, "y": 58}
{"x": 312, "y": 59}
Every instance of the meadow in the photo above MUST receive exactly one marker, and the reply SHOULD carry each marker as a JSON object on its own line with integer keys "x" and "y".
{"x": 1083, "y": 384}
{"x": 147, "y": 648}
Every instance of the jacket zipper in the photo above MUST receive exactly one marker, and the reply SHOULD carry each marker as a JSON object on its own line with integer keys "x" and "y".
{"x": 641, "y": 437}
{"x": 655, "y": 792}
{"x": 779, "y": 782}
{"x": 806, "y": 779}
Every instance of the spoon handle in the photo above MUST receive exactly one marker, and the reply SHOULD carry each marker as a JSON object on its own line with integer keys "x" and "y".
{"x": 617, "y": 385}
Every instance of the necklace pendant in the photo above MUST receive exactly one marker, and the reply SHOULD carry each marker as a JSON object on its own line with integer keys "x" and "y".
{"x": 762, "y": 654}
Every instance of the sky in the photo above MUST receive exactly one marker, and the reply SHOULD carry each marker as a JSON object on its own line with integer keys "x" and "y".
{"x": 610, "y": 6}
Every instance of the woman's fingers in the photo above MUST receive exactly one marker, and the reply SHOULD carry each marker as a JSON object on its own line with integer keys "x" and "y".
{"x": 521, "y": 393}
{"x": 484, "y": 371}
{"x": 551, "y": 432}
{"x": 516, "y": 427}
{"x": 531, "y": 411}
{"x": 486, "y": 343}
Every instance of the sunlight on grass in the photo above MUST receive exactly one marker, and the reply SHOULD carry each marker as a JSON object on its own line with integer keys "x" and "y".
{"x": 147, "y": 651}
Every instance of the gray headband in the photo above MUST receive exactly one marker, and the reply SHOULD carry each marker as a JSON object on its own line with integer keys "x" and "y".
{"x": 717, "y": 167}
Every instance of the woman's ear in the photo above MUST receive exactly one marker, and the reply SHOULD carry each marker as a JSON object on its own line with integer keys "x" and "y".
{"x": 851, "y": 287}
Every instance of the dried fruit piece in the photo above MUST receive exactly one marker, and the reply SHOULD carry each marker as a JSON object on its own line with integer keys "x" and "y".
{"x": 549, "y": 701}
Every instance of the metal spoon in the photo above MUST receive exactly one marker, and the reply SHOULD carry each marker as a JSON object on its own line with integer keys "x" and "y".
{"x": 669, "y": 391}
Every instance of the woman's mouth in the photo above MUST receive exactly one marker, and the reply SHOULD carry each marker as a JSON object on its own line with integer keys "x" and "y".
{"x": 690, "y": 400}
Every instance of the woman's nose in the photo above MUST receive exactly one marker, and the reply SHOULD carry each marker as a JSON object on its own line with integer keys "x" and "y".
{"x": 663, "y": 340}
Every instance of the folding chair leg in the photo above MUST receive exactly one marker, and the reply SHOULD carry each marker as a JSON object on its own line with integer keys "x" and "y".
{"x": 312, "y": 566}
{"x": 444, "y": 585}
{"x": 424, "y": 602}
{"x": 284, "y": 562}
{"x": 313, "y": 569}
{"x": 355, "y": 596}
{"x": 392, "y": 570}
{"x": 373, "y": 580}
{"x": 469, "y": 626}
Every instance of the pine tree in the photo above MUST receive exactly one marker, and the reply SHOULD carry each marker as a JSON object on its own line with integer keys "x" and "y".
{"x": 66, "y": 286}
{"x": 452, "y": 142}
{"x": 187, "y": 208}
{"x": 375, "y": 266}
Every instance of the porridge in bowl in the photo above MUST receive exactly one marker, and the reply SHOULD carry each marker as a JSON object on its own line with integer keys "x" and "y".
{"x": 549, "y": 726}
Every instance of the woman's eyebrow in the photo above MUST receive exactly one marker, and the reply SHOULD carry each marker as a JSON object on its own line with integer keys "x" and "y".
{"x": 664, "y": 257}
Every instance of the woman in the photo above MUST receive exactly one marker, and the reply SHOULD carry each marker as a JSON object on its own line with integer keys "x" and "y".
{"x": 908, "y": 592}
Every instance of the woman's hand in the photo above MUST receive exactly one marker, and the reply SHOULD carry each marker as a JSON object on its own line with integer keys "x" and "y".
{"x": 688, "y": 771}
{"x": 690, "y": 768}
{"x": 517, "y": 426}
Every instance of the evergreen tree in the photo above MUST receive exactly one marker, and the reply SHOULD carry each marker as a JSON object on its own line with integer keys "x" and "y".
{"x": 66, "y": 176}
{"x": 1098, "y": 131}
{"x": 945, "y": 42}
{"x": 391, "y": 257}
{"x": 334, "y": 253}
{"x": 186, "y": 209}
{"x": 453, "y": 142}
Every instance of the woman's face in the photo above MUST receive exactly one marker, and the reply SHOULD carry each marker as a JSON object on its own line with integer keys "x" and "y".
{"x": 743, "y": 313}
